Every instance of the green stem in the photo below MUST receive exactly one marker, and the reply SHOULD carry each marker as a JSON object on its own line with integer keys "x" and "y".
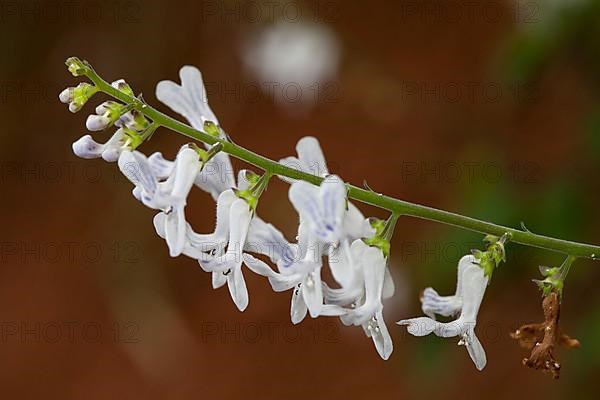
{"x": 396, "y": 206}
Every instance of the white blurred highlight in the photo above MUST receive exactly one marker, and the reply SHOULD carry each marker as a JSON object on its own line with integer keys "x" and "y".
{"x": 293, "y": 62}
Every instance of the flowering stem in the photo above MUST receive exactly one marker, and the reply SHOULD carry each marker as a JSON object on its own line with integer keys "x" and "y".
{"x": 396, "y": 206}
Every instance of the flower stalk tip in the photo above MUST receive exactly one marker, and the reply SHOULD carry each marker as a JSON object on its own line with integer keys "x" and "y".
{"x": 77, "y": 67}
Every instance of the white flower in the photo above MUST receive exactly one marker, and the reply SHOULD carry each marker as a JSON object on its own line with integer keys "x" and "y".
{"x": 220, "y": 252}
{"x": 470, "y": 289}
{"x": 322, "y": 213}
{"x": 169, "y": 195}
{"x": 189, "y": 99}
{"x": 87, "y": 147}
{"x": 359, "y": 301}
{"x": 311, "y": 160}
{"x": 230, "y": 263}
{"x": 77, "y": 96}
{"x": 107, "y": 113}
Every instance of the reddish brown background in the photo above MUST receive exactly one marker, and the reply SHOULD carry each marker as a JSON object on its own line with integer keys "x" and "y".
{"x": 149, "y": 327}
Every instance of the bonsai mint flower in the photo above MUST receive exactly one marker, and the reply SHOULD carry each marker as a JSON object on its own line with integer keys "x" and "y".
{"x": 330, "y": 227}
{"x": 359, "y": 301}
{"x": 168, "y": 195}
{"x": 471, "y": 284}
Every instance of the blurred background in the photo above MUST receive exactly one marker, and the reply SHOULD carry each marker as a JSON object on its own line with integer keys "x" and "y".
{"x": 491, "y": 109}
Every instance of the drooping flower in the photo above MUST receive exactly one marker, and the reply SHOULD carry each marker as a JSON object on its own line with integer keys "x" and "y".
{"x": 322, "y": 211}
{"x": 220, "y": 252}
{"x": 168, "y": 195}
{"x": 471, "y": 285}
{"x": 190, "y": 100}
{"x": 87, "y": 147}
{"x": 359, "y": 302}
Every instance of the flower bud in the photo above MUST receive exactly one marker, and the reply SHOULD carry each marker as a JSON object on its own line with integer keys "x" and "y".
{"x": 76, "y": 66}
{"x": 87, "y": 148}
{"x": 212, "y": 129}
{"x": 96, "y": 123}
{"x": 106, "y": 115}
{"x": 77, "y": 96}
{"x": 123, "y": 86}
{"x": 66, "y": 96}
{"x": 134, "y": 120}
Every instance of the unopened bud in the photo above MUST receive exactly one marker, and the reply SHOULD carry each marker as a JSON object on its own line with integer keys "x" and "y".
{"x": 122, "y": 86}
{"x": 76, "y": 66}
{"x": 212, "y": 129}
{"x": 96, "y": 123}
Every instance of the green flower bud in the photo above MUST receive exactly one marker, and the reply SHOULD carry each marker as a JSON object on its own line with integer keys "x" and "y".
{"x": 76, "y": 66}
{"x": 212, "y": 129}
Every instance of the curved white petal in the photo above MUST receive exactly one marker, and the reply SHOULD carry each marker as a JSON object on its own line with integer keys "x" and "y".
{"x": 341, "y": 261}
{"x": 175, "y": 231}
{"x": 373, "y": 268}
{"x": 298, "y": 307}
{"x": 310, "y": 159}
{"x": 187, "y": 167}
{"x": 216, "y": 175}
{"x": 432, "y": 303}
{"x": 475, "y": 349}
{"x": 311, "y": 156}
{"x": 115, "y": 146}
{"x": 211, "y": 241}
{"x": 264, "y": 238}
{"x": 134, "y": 165}
{"x": 86, "y": 147}
{"x": 218, "y": 279}
{"x": 161, "y": 167}
{"x": 278, "y": 282}
{"x": 312, "y": 292}
{"x": 237, "y": 288}
{"x": 420, "y": 326}
{"x": 322, "y": 208}
{"x": 355, "y": 225}
{"x": 381, "y": 337}
{"x": 388, "y": 284}
{"x": 188, "y": 99}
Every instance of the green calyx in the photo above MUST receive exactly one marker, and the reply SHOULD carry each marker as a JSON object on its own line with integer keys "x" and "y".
{"x": 256, "y": 186}
{"x": 383, "y": 234}
{"x": 135, "y": 138}
{"x": 124, "y": 87}
{"x": 494, "y": 255}
{"x": 212, "y": 129}
{"x": 207, "y": 155}
{"x": 138, "y": 121}
{"x": 76, "y": 66}
{"x": 113, "y": 111}
{"x": 554, "y": 277}
{"x": 81, "y": 94}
